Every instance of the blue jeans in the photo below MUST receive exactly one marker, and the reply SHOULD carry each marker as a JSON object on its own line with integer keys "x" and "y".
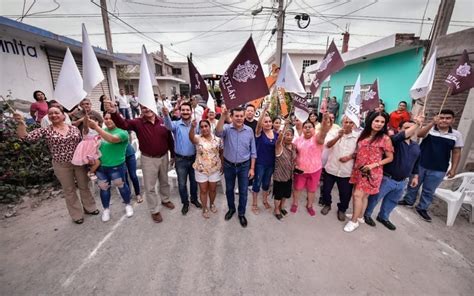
{"x": 242, "y": 174}
{"x": 430, "y": 180}
{"x": 263, "y": 176}
{"x": 184, "y": 168}
{"x": 116, "y": 176}
{"x": 131, "y": 163}
{"x": 125, "y": 113}
{"x": 390, "y": 191}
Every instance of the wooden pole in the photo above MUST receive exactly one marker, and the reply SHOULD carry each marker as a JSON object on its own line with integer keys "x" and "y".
{"x": 8, "y": 105}
{"x": 424, "y": 105}
{"x": 444, "y": 100}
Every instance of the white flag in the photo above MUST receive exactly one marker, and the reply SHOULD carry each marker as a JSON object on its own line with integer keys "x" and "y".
{"x": 353, "y": 106}
{"x": 145, "y": 89}
{"x": 424, "y": 82}
{"x": 289, "y": 79}
{"x": 91, "y": 71}
{"x": 68, "y": 91}
{"x": 151, "y": 68}
{"x": 211, "y": 104}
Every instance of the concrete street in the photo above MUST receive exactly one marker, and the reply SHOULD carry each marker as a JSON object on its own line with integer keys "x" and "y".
{"x": 44, "y": 253}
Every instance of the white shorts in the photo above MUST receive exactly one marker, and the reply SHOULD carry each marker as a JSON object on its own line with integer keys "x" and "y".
{"x": 203, "y": 178}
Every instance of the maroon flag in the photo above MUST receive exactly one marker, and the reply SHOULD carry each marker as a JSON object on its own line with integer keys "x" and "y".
{"x": 331, "y": 63}
{"x": 244, "y": 80}
{"x": 301, "y": 105}
{"x": 462, "y": 76}
{"x": 198, "y": 86}
{"x": 371, "y": 99}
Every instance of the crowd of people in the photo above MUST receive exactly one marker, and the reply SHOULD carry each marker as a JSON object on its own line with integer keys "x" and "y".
{"x": 282, "y": 158}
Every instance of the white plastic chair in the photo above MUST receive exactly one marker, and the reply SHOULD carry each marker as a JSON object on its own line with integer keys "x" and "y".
{"x": 463, "y": 195}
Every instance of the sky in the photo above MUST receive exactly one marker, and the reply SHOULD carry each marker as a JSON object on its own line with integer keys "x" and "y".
{"x": 214, "y": 31}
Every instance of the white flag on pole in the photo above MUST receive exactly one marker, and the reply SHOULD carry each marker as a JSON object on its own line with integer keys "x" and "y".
{"x": 289, "y": 79}
{"x": 353, "y": 107}
{"x": 151, "y": 68}
{"x": 145, "y": 88}
{"x": 424, "y": 82}
{"x": 68, "y": 91}
{"x": 91, "y": 71}
{"x": 210, "y": 103}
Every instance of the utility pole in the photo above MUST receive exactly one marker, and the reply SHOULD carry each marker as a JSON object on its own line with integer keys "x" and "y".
{"x": 280, "y": 29}
{"x": 441, "y": 24}
{"x": 105, "y": 21}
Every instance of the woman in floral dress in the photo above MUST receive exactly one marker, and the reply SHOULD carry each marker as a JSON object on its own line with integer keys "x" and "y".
{"x": 374, "y": 150}
{"x": 208, "y": 164}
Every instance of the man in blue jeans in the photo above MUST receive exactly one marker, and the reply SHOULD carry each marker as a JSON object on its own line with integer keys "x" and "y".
{"x": 185, "y": 154}
{"x": 395, "y": 174}
{"x": 441, "y": 143}
{"x": 239, "y": 159}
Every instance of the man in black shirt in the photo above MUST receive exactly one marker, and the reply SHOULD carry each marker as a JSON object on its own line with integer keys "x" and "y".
{"x": 250, "y": 117}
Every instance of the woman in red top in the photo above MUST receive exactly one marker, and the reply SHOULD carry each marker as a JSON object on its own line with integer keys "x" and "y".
{"x": 399, "y": 115}
{"x": 39, "y": 108}
{"x": 374, "y": 149}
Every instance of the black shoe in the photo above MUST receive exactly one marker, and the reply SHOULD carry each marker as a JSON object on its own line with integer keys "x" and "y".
{"x": 386, "y": 223}
{"x": 185, "y": 209}
{"x": 284, "y": 212}
{"x": 229, "y": 215}
{"x": 320, "y": 203}
{"x": 424, "y": 214}
{"x": 279, "y": 216}
{"x": 197, "y": 204}
{"x": 369, "y": 221}
{"x": 404, "y": 203}
{"x": 79, "y": 221}
{"x": 96, "y": 212}
{"x": 243, "y": 221}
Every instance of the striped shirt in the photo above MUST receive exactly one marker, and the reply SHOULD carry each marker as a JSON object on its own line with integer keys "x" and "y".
{"x": 284, "y": 164}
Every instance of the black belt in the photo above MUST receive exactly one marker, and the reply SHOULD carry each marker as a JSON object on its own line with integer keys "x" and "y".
{"x": 185, "y": 157}
{"x": 236, "y": 164}
{"x": 151, "y": 156}
{"x": 391, "y": 177}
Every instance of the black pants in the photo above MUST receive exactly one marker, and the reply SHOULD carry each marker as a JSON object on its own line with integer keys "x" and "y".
{"x": 344, "y": 187}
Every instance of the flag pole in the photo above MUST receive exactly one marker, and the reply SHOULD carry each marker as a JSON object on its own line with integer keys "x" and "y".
{"x": 8, "y": 105}
{"x": 444, "y": 100}
{"x": 424, "y": 104}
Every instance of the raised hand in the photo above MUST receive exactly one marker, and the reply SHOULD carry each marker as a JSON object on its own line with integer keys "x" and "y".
{"x": 194, "y": 123}
{"x": 109, "y": 106}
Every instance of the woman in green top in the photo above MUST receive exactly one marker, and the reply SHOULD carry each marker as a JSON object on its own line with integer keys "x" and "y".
{"x": 112, "y": 168}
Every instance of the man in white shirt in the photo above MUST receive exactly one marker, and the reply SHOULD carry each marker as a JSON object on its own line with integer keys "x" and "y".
{"x": 197, "y": 109}
{"x": 339, "y": 168}
{"x": 123, "y": 104}
{"x": 134, "y": 105}
{"x": 163, "y": 102}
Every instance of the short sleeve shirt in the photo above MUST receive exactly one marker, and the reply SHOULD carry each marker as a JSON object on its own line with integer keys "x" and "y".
{"x": 40, "y": 109}
{"x": 308, "y": 154}
{"x": 436, "y": 148}
{"x": 113, "y": 154}
{"x": 207, "y": 156}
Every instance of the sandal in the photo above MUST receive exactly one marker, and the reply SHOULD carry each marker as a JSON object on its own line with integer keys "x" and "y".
{"x": 255, "y": 209}
{"x": 96, "y": 212}
{"x": 213, "y": 208}
{"x": 267, "y": 205}
{"x": 139, "y": 198}
{"x": 91, "y": 176}
{"x": 284, "y": 212}
{"x": 205, "y": 213}
{"x": 79, "y": 221}
{"x": 294, "y": 208}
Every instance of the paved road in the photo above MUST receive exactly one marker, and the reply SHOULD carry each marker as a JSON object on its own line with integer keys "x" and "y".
{"x": 43, "y": 253}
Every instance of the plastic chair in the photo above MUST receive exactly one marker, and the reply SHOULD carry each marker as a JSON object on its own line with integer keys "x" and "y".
{"x": 454, "y": 199}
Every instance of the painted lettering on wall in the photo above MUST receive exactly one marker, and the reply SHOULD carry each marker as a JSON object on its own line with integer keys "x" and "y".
{"x": 18, "y": 48}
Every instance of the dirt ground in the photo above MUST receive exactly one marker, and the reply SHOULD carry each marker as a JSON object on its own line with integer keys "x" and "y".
{"x": 43, "y": 253}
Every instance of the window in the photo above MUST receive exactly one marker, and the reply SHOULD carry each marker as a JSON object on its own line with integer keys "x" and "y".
{"x": 307, "y": 63}
{"x": 177, "y": 71}
{"x": 158, "y": 70}
{"x": 326, "y": 91}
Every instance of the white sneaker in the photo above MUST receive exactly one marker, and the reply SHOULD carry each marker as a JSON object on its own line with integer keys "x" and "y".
{"x": 360, "y": 220}
{"x": 106, "y": 215}
{"x": 351, "y": 226}
{"x": 128, "y": 211}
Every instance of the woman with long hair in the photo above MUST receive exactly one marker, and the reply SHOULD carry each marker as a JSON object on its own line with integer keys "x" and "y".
{"x": 374, "y": 150}
{"x": 39, "y": 109}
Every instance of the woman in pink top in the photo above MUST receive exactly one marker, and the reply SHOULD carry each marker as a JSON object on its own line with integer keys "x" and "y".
{"x": 309, "y": 148}
{"x": 39, "y": 108}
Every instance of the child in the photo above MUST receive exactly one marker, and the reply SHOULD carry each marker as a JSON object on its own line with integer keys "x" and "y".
{"x": 87, "y": 152}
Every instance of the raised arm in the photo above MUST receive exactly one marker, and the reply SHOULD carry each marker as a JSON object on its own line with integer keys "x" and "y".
{"x": 337, "y": 138}
{"x": 220, "y": 123}
{"x": 119, "y": 121}
{"x": 258, "y": 129}
{"x": 413, "y": 129}
{"x": 192, "y": 133}
{"x": 425, "y": 130}
{"x": 278, "y": 144}
{"x": 105, "y": 135}
{"x": 325, "y": 127}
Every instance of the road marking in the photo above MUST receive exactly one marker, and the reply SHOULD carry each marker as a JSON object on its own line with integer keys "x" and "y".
{"x": 92, "y": 254}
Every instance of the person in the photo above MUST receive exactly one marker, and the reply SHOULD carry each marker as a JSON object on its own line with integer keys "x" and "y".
{"x": 309, "y": 147}
{"x": 131, "y": 163}
{"x": 208, "y": 164}
{"x": 441, "y": 144}
{"x": 297, "y": 128}
{"x": 313, "y": 117}
{"x": 399, "y": 115}
{"x": 164, "y": 102}
{"x": 112, "y": 170}
{"x": 239, "y": 159}
{"x": 374, "y": 150}
{"x": 250, "y": 117}
{"x": 123, "y": 104}
{"x": 265, "y": 139}
{"x": 285, "y": 157}
{"x": 87, "y": 152}
{"x": 155, "y": 141}
{"x": 45, "y": 122}
{"x": 395, "y": 174}
{"x": 338, "y": 168}
{"x": 134, "y": 105}
{"x": 185, "y": 153}
{"x": 77, "y": 117}
{"x": 333, "y": 107}
{"x": 198, "y": 109}
{"x": 39, "y": 109}
{"x": 62, "y": 140}
{"x": 276, "y": 123}
{"x": 380, "y": 108}
{"x": 211, "y": 117}
{"x": 102, "y": 98}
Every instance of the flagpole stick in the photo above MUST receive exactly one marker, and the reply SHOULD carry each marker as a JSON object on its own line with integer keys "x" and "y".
{"x": 444, "y": 100}
{"x": 424, "y": 104}
{"x": 8, "y": 105}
